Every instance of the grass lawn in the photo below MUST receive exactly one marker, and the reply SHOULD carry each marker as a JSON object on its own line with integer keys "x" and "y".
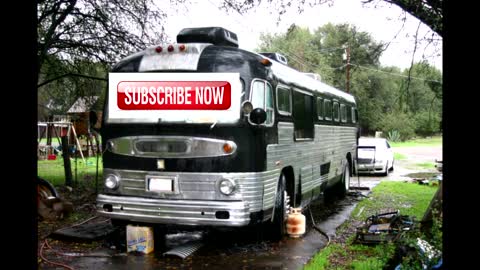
{"x": 431, "y": 141}
{"x": 411, "y": 199}
{"x": 53, "y": 170}
{"x": 398, "y": 156}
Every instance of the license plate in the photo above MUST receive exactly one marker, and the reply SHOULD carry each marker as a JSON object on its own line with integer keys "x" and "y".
{"x": 160, "y": 184}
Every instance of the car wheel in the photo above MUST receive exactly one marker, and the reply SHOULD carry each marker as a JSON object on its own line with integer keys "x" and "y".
{"x": 386, "y": 170}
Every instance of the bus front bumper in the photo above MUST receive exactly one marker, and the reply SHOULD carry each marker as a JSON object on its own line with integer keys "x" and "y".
{"x": 180, "y": 212}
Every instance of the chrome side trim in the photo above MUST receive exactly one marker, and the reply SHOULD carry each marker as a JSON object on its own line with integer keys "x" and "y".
{"x": 181, "y": 212}
{"x": 331, "y": 144}
{"x": 195, "y": 147}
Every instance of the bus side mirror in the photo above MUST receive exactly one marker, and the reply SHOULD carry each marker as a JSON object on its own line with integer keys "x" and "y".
{"x": 258, "y": 116}
{"x": 93, "y": 118}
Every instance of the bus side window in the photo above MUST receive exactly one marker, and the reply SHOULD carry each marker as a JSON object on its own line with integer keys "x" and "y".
{"x": 269, "y": 104}
{"x": 262, "y": 97}
{"x": 284, "y": 102}
{"x": 327, "y": 109}
{"x": 303, "y": 116}
{"x": 343, "y": 113}
{"x": 354, "y": 118}
{"x": 336, "y": 111}
{"x": 320, "y": 108}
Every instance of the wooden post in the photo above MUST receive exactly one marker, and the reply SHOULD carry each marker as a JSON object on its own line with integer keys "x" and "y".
{"x": 66, "y": 161}
{"x": 78, "y": 144}
{"x": 434, "y": 210}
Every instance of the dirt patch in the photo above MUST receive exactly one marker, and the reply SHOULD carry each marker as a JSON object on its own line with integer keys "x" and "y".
{"x": 83, "y": 200}
{"x": 425, "y": 175}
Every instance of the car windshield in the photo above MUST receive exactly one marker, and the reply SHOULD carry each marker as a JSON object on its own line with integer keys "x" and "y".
{"x": 371, "y": 142}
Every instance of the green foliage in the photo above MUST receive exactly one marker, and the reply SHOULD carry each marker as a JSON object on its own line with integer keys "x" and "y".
{"x": 320, "y": 261}
{"x": 401, "y": 122}
{"x": 399, "y": 156}
{"x": 416, "y": 257}
{"x": 427, "y": 123}
{"x": 56, "y": 97}
{"x": 54, "y": 171}
{"x": 430, "y": 141}
{"x": 393, "y": 136}
{"x": 410, "y": 199}
{"x": 426, "y": 165}
{"x": 377, "y": 91}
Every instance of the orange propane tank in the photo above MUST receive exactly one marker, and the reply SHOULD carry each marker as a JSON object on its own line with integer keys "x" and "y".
{"x": 295, "y": 223}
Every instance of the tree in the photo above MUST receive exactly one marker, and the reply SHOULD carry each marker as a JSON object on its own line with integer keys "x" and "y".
{"x": 57, "y": 96}
{"x": 96, "y": 30}
{"x": 430, "y": 12}
{"x": 322, "y": 52}
{"x": 79, "y": 39}
{"x": 383, "y": 102}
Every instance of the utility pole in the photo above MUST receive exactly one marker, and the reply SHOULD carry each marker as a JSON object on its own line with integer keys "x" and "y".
{"x": 348, "y": 68}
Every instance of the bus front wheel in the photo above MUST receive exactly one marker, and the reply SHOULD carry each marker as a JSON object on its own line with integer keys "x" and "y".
{"x": 282, "y": 205}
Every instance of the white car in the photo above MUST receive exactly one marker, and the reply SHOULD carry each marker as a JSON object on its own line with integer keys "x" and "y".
{"x": 375, "y": 156}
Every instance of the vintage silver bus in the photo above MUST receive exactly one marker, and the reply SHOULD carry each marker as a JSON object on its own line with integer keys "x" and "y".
{"x": 283, "y": 139}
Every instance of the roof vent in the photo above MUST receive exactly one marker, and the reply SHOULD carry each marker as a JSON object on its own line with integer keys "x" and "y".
{"x": 215, "y": 35}
{"x": 315, "y": 76}
{"x": 277, "y": 57}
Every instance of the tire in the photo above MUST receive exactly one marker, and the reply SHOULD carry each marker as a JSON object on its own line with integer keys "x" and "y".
{"x": 278, "y": 226}
{"x": 340, "y": 189}
{"x": 45, "y": 189}
{"x": 345, "y": 180}
{"x": 386, "y": 170}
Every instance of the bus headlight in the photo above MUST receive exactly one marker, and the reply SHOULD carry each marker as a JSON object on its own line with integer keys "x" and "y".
{"x": 247, "y": 107}
{"x": 226, "y": 186}
{"x": 112, "y": 181}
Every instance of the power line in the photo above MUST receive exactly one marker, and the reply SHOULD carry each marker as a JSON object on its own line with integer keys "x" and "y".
{"x": 289, "y": 53}
{"x": 300, "y": 61}
{"x": 395, "y": 74}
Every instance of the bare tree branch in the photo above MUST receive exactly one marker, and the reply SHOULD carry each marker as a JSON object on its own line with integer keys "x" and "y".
{"x": 409, "y": 79}
{"x": 70, "y": 75}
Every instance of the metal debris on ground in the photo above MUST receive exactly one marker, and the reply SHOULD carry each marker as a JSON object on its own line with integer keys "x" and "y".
{"x": 388, "y": 226}
{"x": 356, "y": 194}
{"x": 185, "y": 250}
{"x": 85, "y": 232}
{"x": 421, "y": 181}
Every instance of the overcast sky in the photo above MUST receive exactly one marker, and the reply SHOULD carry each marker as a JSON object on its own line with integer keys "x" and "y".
{"x": 382, "y": 22}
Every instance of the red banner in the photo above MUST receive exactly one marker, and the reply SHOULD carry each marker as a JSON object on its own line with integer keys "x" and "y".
{"x": 174, "y": 95}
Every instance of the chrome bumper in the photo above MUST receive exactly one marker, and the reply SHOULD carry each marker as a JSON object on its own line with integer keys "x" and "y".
{"x": 371, "y": 168}
{"x": 181, "y": 212}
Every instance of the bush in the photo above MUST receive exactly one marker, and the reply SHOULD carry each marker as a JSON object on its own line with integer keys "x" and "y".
{"x": 427, "y": 124}
{"x": 393, "y": 136}
{"x": 399, "y": 122}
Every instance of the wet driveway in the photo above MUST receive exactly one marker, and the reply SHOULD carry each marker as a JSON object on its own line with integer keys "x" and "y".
{"x": 238, "y": 249}
{"x": 242, "y": 249}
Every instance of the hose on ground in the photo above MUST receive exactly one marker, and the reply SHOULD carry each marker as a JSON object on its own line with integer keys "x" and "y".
{"x": 45, "y": 243}
{"x": 317, "y": 228}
